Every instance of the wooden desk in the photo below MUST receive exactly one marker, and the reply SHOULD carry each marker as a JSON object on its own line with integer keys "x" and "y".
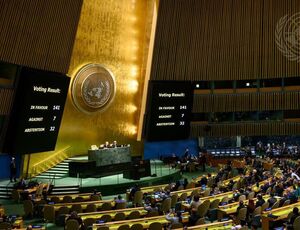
{"x": 35, "y": 228}
{"x": 231, "y": 208}
{"x": 84, "y": 204}
{"x": 281, "y": 213}
{"x": 50, "y": 208}
{"x": 200, "y": 177}
{"x": 224, "y": 225}
{"x": 187, "y": 191}
{"x": 85, "y": 196}
{"x": 144, "y": 221}
{"x": 226, "y": 182}
{"x": 112, "y": 213}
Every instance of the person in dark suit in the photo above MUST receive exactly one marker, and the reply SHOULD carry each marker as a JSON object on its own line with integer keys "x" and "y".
{"x": 260, "y": 201}
{"x": 13, "y": 170}
{"x": 74, "y": 216}
{"x": 292, "y": 219}
{"x": 272, "y": 200}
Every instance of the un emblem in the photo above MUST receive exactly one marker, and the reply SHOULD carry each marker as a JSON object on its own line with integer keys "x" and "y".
{"x": 287, "y": 36}
{"x": 93, "y": 88}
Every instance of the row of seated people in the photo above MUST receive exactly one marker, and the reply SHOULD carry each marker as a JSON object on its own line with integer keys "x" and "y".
{"x": 256, "y": 169}
{"x": 220, "y": 177}
{"x": 80, "y": 210}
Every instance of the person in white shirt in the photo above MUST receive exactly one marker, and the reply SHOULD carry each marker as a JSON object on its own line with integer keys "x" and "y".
{"x": 294, "y": 175}
{"x": 174, "y": 218}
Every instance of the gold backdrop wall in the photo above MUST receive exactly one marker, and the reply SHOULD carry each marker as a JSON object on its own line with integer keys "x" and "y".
{"x": 115, "y": 34}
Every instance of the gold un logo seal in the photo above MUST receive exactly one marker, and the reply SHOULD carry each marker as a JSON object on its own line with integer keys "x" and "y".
{"x": 93, "y": 88}
{"x": 287, "y": 36}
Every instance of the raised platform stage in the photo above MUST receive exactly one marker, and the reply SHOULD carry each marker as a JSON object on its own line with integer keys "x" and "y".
{"x": 113, "y": 184}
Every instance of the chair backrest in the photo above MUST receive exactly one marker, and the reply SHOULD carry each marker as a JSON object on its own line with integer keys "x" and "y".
{"x": 166, "y": 205}
{"x": 287, "y": 202}
{"x": 106, "y": 206}
{"x": 121, "y": 205}
{"x": 134, "y": 215}
{"x": 49, "y": 213}
{"x": 138, "y": 198}
{"x": 155, "y": 226}
{"x": 242, "y": 197}
{"x": 206, "y": 204}
{"x": 103, "y": 228}
{"x": 124, "y": 227}
{"x": 174, "y": 199}
{"x": 195, "y": 192}
{"x": 120, "y": 216}
{"x": 167, "y": 187}
{"x": 201, "y": 210}
{"x": 152, "y": 213}
{"x": 225, "y": 199}
{"x": 251, "y": 195}
{"x": 136, "y": 227}
{"x": 67, "y": 199}
{"x": 72, "y": 225}
{"x": 190, "y": 185}
{"x": 176, "y": 225}
{"x": 200, "y": 221}
{"x": 210, "y": 182}
{"x": 95, "y": 197}
{"x": 257, "y": 211}
{"x": 181, "y": 187}
{"x": 55, "y": 199}
{"x": 28, "y": 208}
{"x": 275, "y": 205}
{"x": 91, "y": 208}
{"x": 79, "y": 199}
{"x": 15, "y": 195}
{"x": 290, "y": 216}
{"x": 206, "y": 192}
{"x": 296, "y": 224}
{"x": 214, "y": 204}
{"x": 183, "y": 196}
{"x": 264, "y": 206}
{"x": 242, "y": 214}
{"x": 76, "y": 207}
{"x": 89, "y": 222}
{"x": 63, "y": 210}
{"x": 5, "y": 225}
{"x": 106, "y": 218}
{"x": 235, "y": 186}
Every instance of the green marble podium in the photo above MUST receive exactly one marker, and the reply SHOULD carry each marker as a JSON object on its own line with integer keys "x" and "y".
{"x": 110, "y": 156}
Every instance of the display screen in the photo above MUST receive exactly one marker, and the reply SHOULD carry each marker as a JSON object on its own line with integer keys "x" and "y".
{"x": 168, "y": 111}
{"x": 37, "y": 111}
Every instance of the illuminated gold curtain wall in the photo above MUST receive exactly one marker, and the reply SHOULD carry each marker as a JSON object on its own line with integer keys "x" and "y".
{"x": 115, "y": 34}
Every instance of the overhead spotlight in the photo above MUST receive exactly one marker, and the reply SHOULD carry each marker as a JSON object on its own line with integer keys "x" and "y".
{"x": 248, "y": 84}
{"x": 197, "y": 86}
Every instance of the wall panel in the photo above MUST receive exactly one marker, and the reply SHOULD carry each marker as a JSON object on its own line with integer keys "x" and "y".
{"x": 39, "y": 34}
{"x": 246, "y": 102}
{"x": 221, "y": 40}
{"x": 6, "y": 98}
{"x": 245, "y": 129}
